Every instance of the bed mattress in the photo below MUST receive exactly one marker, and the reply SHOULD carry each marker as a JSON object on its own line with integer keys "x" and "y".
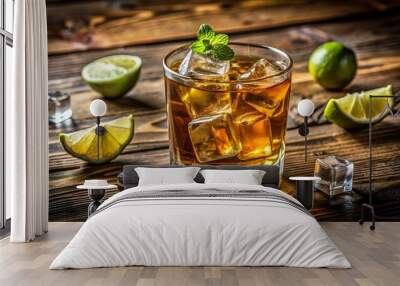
{"x": 201, "y": 225}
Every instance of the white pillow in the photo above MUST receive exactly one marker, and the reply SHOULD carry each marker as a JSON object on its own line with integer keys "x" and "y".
{"x": 248, "y": 177}
{"x": 166, "y": 176}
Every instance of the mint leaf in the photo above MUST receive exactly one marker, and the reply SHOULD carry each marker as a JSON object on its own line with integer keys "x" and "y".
{"x": 207, "y": 44}
{"x": 213, "y": 45}
{"x": 221, "y": 39}
{"x": 198, "y": 47}
{"x": 205, "y": 32}
{"x": 222, "y": 52}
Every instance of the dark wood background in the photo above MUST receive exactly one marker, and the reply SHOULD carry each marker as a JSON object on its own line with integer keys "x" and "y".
{"x": 81, "y": 31}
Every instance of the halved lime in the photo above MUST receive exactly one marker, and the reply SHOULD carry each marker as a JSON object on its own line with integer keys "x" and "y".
{"x": 113, "y": 76}
{"x": 86, "y": 145}
{"x": 352, "y": 110}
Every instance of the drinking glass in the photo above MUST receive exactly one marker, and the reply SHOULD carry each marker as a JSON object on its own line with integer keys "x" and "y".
{"x": 238, "y": 118}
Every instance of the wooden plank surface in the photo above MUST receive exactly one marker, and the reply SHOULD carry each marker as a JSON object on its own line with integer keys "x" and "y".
{"x": 104, "y": 28}
{"x": 377, "y": 43}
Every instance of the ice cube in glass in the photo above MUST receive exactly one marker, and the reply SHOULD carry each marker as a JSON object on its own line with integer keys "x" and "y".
{"x": 336, "y": 175}
{"x": 200, "y": 102}
{"x": 204, "y": 67}
{"x": 254, "y": 133}
{"x": 269, "y": 101}
{"x": 260, "y": 69}
{"x": 213, "y": 138}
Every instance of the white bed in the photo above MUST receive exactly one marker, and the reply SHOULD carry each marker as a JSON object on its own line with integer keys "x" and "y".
{"x": 185, "y": 230}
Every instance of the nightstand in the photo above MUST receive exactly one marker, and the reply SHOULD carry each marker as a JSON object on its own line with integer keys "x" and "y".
{"x": 305, "y": 190}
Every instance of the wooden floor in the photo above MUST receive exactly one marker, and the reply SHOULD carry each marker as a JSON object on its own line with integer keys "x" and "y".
{"x": 375, "y": 257}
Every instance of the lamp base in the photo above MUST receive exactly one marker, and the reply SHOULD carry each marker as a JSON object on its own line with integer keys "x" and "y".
{"x": 365, "y": 207}
{"x": 374, "y": 217}
{"x": 95, "y": 195}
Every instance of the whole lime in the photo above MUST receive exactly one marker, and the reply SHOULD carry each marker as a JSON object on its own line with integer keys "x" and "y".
{"x": 113, "y": 76}
{"x": 333, "y": 65}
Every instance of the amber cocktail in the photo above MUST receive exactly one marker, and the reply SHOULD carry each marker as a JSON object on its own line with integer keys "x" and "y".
{"x": 234, "y": 114}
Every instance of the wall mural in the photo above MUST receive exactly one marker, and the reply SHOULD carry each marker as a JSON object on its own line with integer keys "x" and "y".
{"x": 216, "y": 101}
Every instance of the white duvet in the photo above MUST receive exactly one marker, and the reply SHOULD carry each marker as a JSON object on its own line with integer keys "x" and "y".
{"x": 200, "y": 231}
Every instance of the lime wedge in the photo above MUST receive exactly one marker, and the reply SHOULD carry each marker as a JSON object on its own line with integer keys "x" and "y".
{"x": 85, "y": 145}
{"x": 352, "y": 110}
{"x": 113, "y": 76}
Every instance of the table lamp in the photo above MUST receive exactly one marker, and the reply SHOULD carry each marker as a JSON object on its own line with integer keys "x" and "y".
{"x": 98, "y": 108}
{"x": 305, "y": 108}
{"x": 305, "y": 185}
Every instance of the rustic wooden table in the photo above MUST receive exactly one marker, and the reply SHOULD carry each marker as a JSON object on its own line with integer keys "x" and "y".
{"x": 80, "y": 32}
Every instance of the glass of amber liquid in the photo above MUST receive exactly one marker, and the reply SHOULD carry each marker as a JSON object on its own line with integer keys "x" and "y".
{"x": 228, "y": 112}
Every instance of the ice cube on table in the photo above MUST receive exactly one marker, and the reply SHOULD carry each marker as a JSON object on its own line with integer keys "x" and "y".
{"x": 254, "y": 133}
{"x": 205, "y": 101}
{"x": 260, "y": 69}
{"x": 336, "y": 175}
{"x": 204, "y": 67}
{"x": 213, "y": 138}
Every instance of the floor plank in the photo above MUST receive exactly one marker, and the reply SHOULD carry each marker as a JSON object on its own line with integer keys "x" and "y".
{"x": 374, "y": 255}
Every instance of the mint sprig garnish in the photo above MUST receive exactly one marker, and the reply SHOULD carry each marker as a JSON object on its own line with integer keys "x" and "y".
{"x": 211, "y": 44}
{"x": 205, "y": 32}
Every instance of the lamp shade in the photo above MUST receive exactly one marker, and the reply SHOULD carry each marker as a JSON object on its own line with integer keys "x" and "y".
{"x": 98, "y": 107}
{"x": 305, "y": 107}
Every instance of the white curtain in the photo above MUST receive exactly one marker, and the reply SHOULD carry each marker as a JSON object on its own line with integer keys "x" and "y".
{"x": 27, "y": 125}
